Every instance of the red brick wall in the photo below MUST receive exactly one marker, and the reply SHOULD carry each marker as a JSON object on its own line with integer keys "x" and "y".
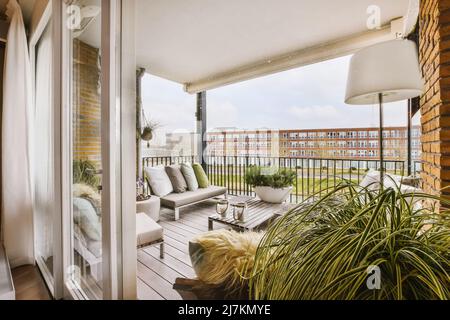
{"x": 435, "y": 103}
{"x": 86, "y": 103}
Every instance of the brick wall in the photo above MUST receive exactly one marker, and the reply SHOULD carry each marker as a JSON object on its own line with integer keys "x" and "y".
{"x": 434, "y": 52}
{"x": 86, "y": 104}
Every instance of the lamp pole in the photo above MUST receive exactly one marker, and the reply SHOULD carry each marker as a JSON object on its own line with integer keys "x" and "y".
{"x": 381, "y": 147}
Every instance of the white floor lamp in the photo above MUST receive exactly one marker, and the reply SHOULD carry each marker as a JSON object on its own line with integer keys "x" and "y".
{"x": 385, "y": 72}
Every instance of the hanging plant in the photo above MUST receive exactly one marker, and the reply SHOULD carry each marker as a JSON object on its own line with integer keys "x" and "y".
{"x": 147, "y": 133}
{"x": 148, "y": 128}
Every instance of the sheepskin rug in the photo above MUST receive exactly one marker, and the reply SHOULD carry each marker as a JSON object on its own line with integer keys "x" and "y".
{"x": 87, "y": 192}
{"x": 224, "y": 257}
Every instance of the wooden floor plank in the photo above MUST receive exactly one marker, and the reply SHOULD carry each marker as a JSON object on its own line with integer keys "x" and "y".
{"x": 156, "y": 282}
{"x": 188, "y": 226}
{"x": 176, "y": 236}
{"x": 182, "y": 269}
{"x": 146, "y": 292}
{"x": 177, "y": 253}
{"x": 164, "y": 271}
{"x": 29, "y": 284}
{"x": 178, "y": 230}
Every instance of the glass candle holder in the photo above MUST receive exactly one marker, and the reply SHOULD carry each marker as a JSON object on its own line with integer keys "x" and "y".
{"x": 222, "y": 208}
{"x": 239, "y": 211}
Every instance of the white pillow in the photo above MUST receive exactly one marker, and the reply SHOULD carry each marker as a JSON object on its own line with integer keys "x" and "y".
{"x": 159, "y": 181}
{"x": 371, "y": 181}
{"x": 85, "y": 215}
{"x": 395, "y": 182}
{"x": 189, "y": 176}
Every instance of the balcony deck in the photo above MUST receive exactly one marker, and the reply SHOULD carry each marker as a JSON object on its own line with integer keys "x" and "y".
{"x": 156, "y": 276}
{"x": 314, "y": 176}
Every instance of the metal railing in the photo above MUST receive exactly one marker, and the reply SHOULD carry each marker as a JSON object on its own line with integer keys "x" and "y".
{"x": 166, "y": 161}
{"x": 314, "y": 176}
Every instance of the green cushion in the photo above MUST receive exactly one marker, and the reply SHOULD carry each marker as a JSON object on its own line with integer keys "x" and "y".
{"x": 202, "y": 178}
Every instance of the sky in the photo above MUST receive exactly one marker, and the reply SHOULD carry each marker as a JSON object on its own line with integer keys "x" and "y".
{"x": 310, "y": 97}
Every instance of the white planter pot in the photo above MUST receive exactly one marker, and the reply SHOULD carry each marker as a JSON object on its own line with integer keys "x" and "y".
{"x": 271, "y": 195}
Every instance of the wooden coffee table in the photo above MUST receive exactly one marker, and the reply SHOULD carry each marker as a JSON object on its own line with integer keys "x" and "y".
{"x": 257, "y": 214}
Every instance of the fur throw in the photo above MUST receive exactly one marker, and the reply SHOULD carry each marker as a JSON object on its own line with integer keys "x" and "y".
{"x": 225, "y": 258}
{"x": 87, "y": 192}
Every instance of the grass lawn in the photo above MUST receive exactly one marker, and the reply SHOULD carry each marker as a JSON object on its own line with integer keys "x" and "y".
{"x": 303, "y": 187}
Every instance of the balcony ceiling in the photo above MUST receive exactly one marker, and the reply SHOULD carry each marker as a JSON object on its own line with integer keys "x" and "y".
{"x": 198, "y": 40}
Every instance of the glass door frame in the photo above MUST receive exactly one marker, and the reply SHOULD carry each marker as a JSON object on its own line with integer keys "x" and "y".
{"x": 49, "y": 278}
{"x": 118, "y": 130}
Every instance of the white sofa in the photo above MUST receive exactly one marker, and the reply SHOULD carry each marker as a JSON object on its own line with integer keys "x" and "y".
{"x": 176, "y": 201}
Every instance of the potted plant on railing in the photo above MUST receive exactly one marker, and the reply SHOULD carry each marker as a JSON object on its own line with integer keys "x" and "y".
{"x": 271, "y": 185}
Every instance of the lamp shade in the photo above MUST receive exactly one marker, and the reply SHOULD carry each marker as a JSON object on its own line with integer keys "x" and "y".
{"x": 390, "y": 68}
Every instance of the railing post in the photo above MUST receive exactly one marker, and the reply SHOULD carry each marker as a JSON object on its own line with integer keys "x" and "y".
{"x": 247, "y": 189}
{"x": 201, "y": 127}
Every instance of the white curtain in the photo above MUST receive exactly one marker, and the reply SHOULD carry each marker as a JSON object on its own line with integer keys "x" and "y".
{"x": 16, "y": 194}
{"x": 42, "y": 145}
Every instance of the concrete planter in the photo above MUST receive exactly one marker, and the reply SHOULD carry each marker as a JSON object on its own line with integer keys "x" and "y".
{"x": 271, "y": 195}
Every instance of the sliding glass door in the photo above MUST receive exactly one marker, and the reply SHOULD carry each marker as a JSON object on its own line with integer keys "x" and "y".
{"x": 86, "y": 147}
{"x": 83, "y": 146}
{"x": 99, "y": 250}
{"x": 90, "y": 137}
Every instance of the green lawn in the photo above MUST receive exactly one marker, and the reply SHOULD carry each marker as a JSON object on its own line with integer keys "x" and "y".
{"x": 309, "y": 182}
{"x": 304, "y": 187}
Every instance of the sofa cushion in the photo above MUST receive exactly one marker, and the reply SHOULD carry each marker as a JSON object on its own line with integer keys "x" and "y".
{"x": 86, "y": 246}
{"x": 176, "y": 178}
{"x": 147, "y": 230}
{"x": 189, "y": 176}
{"x": 371, "y": 181}
{"x": 159, "y": 181}
{"x": 176, "y": 200}
{"x": 85, "y": 216}
{"x": 202, "y": 178}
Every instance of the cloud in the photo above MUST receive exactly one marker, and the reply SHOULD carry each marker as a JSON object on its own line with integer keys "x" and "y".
{"x": 315, "y": 116}
{"x": 222, "y": 114}
{"x": 314, "y": 113}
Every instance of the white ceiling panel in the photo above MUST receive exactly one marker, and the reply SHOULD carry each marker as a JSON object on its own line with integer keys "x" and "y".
{"x": 188, "y": 41}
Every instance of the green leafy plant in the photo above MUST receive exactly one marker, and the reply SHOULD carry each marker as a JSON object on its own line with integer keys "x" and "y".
{"x": 85, "y": 172}
{"x": 281, "y": 178}
{"x": 325, "y": 249}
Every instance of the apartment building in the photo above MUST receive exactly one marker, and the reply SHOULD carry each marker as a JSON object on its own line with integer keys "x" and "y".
{"x": 347, "y": 143}
{"x": 235, "y": 142}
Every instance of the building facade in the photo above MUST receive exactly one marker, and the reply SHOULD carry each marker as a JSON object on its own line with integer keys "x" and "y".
{"x": 239, "y": 143}
{"x": 348, "y": 143}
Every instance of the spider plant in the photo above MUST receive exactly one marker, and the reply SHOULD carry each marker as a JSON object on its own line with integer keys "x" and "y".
{"x": 85, "y": 172}
{"x": 325, "y": 249}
